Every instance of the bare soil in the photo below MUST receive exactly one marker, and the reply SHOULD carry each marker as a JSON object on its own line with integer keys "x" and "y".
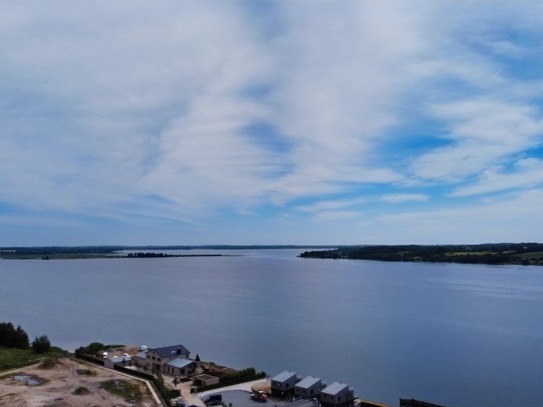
{"x": 67, "y": 383}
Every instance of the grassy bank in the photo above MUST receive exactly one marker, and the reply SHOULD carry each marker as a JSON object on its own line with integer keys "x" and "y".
{"x": 11, "y": 358}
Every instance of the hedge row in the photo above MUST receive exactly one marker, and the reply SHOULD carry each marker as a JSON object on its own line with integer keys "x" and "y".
{"x": 231, "y": 382}
{"x": 89, "y": 358}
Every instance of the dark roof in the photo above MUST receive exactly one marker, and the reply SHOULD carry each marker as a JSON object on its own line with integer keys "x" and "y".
{"x": 335, "y": 388}
{"x": 308, "y": 382}
{"x": 284, "y": 376}
{"x": 179, "y": 362}
{"x": 169, "y": 351}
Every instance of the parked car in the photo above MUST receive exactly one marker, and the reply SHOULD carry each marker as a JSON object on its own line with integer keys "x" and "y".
{"x": 260, "y": 396}
{"x": 211, "y": 398}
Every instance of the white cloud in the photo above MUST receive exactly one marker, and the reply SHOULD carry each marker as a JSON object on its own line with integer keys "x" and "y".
{"x": 482, "y": 133}
{"x": 527, "y": 173}
{"x": 338, "y": 84}
{"x": 398, "y": 198}
{"x": 514, "y": 218}
{"x": 333, "y": 204}
{"x": 115, "y": 111}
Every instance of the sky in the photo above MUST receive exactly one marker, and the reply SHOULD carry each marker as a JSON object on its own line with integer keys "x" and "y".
{"x": 270, "y": 122}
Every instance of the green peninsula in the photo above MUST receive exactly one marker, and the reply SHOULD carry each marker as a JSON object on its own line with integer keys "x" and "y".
{"x": 488, "y": 253}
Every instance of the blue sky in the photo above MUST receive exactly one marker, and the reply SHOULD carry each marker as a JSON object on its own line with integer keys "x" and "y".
{"x": 284, "y": 122}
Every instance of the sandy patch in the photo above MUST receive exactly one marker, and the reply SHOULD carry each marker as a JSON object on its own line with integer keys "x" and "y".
{"x": 67, "y": 383}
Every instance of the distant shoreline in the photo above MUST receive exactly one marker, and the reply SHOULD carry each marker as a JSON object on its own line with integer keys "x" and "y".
{"x": 490, "y": 253}
{"x": 114, "y": 252}
{"x": 84, "y": 256}
{"x": 487, "y": 253}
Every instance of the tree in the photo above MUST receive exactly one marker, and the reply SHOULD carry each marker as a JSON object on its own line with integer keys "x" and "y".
{"x": 12, "y": 337}
{"x": 22, "y": 338}
{"x": 41, "y": 344}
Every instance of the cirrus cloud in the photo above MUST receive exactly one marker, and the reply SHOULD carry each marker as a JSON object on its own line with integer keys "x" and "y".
{"x": 201, "y": 118}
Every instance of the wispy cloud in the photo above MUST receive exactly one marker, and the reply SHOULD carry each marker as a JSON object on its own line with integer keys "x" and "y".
{"x": 482, "y": 133}
{"x": 398, "y": 198}
{"x": 206, "y": 114}
{"x": 526, "y": 173}
{"x": 333, "y": 205}
{"x": 450, "y": 225}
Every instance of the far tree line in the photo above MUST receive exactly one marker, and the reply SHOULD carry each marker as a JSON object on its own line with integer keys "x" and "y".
{"x": 489, "y": 253}
{"x": 11, "y": 337}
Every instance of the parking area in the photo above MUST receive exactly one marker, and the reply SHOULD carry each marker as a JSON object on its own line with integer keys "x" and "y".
{"x": 239, "y": 398}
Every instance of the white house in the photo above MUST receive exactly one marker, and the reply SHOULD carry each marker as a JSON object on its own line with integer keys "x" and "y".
{"x": 157, "y": 359}
{"x": 309, "y": 387}
{"x": 337, "y": 395}
{"x": 282, "y": 385}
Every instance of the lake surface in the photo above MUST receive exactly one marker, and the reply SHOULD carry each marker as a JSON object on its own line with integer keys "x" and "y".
{"x": 457, "y": 335}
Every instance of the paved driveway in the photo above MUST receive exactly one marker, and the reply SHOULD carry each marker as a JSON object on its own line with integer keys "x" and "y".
{"x": 238, "y": 395}
{"x": 241, "y": 398}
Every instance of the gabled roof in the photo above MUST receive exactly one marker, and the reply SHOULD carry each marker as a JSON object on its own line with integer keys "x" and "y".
{"x": 170, "y": 351}
{"x": 307, "y": 382}
{"x": 335, "y": 388}
{"x": 179, "y": 363}
{"x": 283, "y": 376}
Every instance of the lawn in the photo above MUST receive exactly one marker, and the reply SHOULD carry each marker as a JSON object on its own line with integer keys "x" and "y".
{"x": 537, "y": 255}
{"x": 470, "y": 253}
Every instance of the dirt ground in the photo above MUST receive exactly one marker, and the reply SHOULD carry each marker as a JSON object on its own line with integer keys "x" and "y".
{"x": 67, "y": 383}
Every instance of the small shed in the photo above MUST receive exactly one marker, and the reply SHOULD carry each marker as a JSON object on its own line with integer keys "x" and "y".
{"x": 124, "y": 361}
{"x": 206, "y": 380}
{"x": 179, "y": 367}
{"x": 141, "y": 359}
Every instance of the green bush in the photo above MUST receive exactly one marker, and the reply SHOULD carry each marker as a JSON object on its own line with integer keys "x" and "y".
{"x": 240, "y": 374}
{"x": 41, "y": 344}
{"x": 94, "y": 347}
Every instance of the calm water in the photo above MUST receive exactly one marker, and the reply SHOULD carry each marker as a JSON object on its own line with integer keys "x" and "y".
{"x": 449, "y": 334}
